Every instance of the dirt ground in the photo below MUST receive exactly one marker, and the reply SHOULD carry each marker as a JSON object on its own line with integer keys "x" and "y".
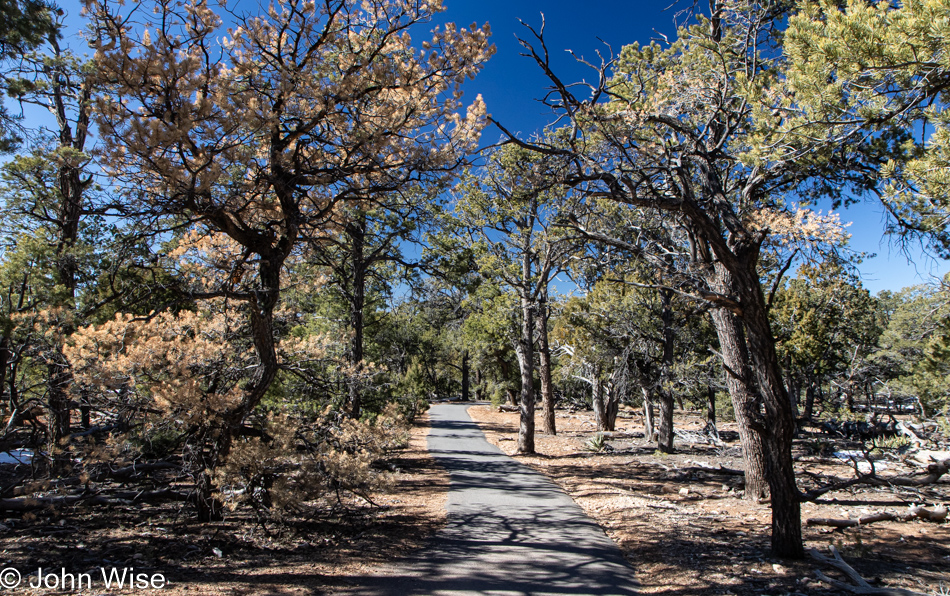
{"x": 686, "y": 530}
{"x": 237, "y": 556}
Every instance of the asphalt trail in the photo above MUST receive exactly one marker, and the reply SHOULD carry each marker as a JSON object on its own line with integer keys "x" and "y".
{"x": 509, "y": 530}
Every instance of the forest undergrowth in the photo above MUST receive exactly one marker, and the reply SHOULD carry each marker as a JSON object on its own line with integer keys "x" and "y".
{"x": 331, "y": 548}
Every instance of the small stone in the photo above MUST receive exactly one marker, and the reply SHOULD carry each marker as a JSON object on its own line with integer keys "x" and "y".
{"x": 684, "y": 492}
{"x": 217, "y": 552}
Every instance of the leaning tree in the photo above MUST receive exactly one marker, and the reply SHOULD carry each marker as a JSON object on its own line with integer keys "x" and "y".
{"x": 695, "y": 132}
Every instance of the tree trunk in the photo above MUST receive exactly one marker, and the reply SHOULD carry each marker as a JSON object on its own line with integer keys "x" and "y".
{"x": 544, "y": 370}
{"x": 356, "y": 230}
{"x": 72, "y": 188}
{"x": 4, "y": 360}
{"x": 525, "y": 351}
{"x": 794, "y": 387}
{"x": 766, "y": 422}
{"x": 664, "y": 439}
{"x": 809, "y": 402}
{"x": 665, "y": 436}
{"x": 597, "y": 402}
{"x": 779, "y": 431}
{"x": 58, "y": 403}
{"x": 744, "y": 400}
{"x": 465, "y": 376}
{"x": 208, "y": 506}
{"x": 711, "y": 406}
{"x": 611, "y": 409}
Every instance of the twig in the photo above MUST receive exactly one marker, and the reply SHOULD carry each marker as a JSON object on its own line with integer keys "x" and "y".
{"x": 862, "y": 586}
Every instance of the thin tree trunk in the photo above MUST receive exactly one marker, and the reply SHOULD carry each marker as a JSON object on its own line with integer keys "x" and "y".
{"x": 478, "y": 384}
{"x": 544, "y": 370}
{"x": 612, "y": 408}
{"x": 525, "y": 353}
{"x": 356, "y": 230}
{"x": 809, "y": 402}
{"x": 597, "y": 401}
{"x": 72, "y": 188}
{"x": 465, "y": 376}
{"x": 665, "y": 436}
{"x": 711, "y": 406}
{"x": 4, "y": 360}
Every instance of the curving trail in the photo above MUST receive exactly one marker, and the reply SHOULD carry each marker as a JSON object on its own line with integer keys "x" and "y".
{"x": 509, "y": 531}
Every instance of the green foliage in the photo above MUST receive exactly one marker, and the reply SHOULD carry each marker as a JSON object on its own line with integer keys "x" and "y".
{"x": 597, "y": 444}
{"x": 873, "y": 74}
{"x": 24, "y": 25}
{"x": 724, "y": 407}
{"x": 487, "y": 332}
{"x": 910, "y": 355}
{"x": 881, "y": 444}
{"x": 156, "y": 442}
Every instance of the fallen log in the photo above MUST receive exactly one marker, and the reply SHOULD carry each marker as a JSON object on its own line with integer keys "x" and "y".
{"x": 720, "y": 469}
{"x": 937, "y": 514}
{"x": 507, "y": 408}
{"x": 860, "y": 585}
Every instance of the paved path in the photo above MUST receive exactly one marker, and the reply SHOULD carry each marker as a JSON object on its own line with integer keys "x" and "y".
{"x": 509, "y": 531}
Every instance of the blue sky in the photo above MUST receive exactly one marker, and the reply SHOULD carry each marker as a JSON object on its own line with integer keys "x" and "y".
{"x": 511, "y": 85}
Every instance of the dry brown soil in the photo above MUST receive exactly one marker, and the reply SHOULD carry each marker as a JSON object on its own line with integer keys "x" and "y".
{"x": 237, "y": 556}
{"x": 687, "y": 530}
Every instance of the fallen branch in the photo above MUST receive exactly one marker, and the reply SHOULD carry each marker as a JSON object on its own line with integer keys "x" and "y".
{"x": 130, "y": 473}
{"x": 507, "y": 408}
{"x": 122, "y": 498}
{"x": 937, "y": 514}
{"x": 720, "y": 469}
{"x": 933, "y": 473}
{"x": 862, "y": 586}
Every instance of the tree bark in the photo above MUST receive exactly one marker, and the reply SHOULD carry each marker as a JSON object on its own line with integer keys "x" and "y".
{"x": 525, "y": 351}
{"x": 465, "y": 376}
{"x": 664, "y": 439}
{"x": 612, "y": 408}
{"x": 597, "y": 401}
{"x": 544, "y": 370}
{"x": 809, "y": 402}
{"x": 711, "y": 406}
{"x": 762, "y": 407}
{"x": 665, "y": 436}
{"x": 735, "y": 360}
